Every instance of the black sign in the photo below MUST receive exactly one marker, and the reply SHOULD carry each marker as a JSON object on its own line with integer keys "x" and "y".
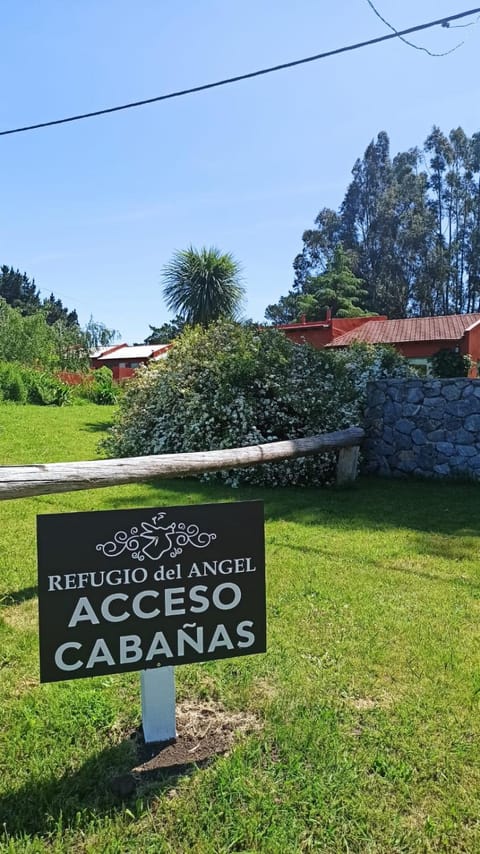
{"x": 134, "y": 589}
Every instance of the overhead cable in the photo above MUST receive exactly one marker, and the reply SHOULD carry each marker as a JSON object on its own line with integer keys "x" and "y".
{"x": 406, "y": 41}
{"x": 238, "y": 78}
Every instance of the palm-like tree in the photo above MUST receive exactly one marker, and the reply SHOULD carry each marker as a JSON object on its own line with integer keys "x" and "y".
{"x": 203, "y": 285}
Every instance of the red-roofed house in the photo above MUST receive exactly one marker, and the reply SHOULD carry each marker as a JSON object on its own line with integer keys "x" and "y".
{"x": 320, "y": 333}
{"x": 417, "y": 338}
{"x": 124, "y": 360}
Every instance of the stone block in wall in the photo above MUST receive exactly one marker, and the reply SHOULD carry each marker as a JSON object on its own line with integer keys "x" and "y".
{"x": 424, "y": 474}
{"x": 375, "y": 426}
{"x": 404, "y": 425}
{"x": 445, "y": 448}
{"x": 411, "y": 409}
{"x": 418, "y": 437}
{"x": 414, "y": 394}
{"x": 437, "y": 435}
{"x": 453, "y": 424}
{"x": 376, "y": 397}
{"x": 442, "y": 469}
{"x": 388, "y": 434}
{"x": 425, "y": 457}
{"x": 462, "y": 408}
{"x": 472, "y": 423}
{"x": 432, "y": 388}
{"x": 460, "y": 467}
{"x": 373, "y": 450}
{"x": 401, "y": 442}
{"x": 434, "y": 400}
{"x": 385, "y": 449}
{"x": 395, "y": 393}
{"x": 461, "y": 437}
{"x": 392, "y": 411}
{"x": 430, "y": 427}
{"x": 451, "y": 391}
{"x": 463, "y": 453}
{"x": 406, "y": 461}
{"x": 437, "y": 413}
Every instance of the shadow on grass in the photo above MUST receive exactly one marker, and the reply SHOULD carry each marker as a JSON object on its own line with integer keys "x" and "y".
{"x": 18, "y": 596}
{"x": 322, "y": 553}
{"x": 102, "y": 786}
{"x": 438, "y": 579}
{"x": 435, "y": 507}
{"x": 96, "y": 426}
{"x": 457, "y": 549}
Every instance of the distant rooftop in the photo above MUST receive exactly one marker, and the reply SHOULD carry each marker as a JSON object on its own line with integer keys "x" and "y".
{"x": 444, "y": 328}
{"x": 141, "y": 351}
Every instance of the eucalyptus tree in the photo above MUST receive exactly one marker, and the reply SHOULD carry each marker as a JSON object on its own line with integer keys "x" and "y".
{"x": 410, "y": 226}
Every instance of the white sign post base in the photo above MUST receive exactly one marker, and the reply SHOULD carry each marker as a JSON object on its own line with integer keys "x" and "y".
{"x": 158, "y": 704}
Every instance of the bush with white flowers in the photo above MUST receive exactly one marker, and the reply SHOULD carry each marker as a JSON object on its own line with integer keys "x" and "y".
{"x": 230, "y": 386}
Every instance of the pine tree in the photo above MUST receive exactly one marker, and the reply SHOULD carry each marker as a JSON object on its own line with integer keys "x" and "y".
{"x": 18, "y": 291}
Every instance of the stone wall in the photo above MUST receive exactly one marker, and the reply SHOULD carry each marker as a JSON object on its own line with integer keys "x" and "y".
{"x": 426, "y": 427}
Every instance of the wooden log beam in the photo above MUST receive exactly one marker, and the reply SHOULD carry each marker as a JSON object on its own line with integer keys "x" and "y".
{"x": 42, "y": 479}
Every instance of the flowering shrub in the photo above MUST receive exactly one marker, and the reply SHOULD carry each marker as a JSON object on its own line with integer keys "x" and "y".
{"x": 230, "y": 386}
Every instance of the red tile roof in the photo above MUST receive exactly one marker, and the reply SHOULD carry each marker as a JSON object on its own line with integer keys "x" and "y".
{"x": 308, "y": 324}
{"x": 448, "y": 328}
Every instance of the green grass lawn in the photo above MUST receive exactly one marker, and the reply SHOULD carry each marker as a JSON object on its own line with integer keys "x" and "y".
{"x": 368, "y": 698}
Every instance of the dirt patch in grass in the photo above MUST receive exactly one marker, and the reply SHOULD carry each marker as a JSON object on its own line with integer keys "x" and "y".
{"x": 20, "y": 616}
{"x": 365, "y": 704}
{"x": 204, "y": 730}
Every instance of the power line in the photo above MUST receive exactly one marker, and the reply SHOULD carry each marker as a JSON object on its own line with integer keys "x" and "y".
{"x": 411, "y": 44}
{"x": 462, "y": 26}
{"x": 228, "y": 80}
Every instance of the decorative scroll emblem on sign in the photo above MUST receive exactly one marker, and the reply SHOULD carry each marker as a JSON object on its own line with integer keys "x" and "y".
{"x": 153, "y": 540}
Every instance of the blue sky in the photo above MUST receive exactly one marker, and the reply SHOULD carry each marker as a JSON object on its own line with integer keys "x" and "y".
{"x": 93, "y": 210}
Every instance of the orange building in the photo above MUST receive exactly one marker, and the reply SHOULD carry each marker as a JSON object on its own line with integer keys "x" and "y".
{"x": 416, "y": 338}
{"x": 123, "y": 360}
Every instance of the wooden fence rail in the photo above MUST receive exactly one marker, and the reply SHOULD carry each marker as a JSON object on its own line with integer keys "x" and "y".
{"x": 42, "y": 479}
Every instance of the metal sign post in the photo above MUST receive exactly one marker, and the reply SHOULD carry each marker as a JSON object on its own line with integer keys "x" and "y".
{"x": 158, "y": 704}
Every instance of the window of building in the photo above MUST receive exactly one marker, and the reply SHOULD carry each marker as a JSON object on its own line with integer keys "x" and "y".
{"x": 421, "y": 365}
